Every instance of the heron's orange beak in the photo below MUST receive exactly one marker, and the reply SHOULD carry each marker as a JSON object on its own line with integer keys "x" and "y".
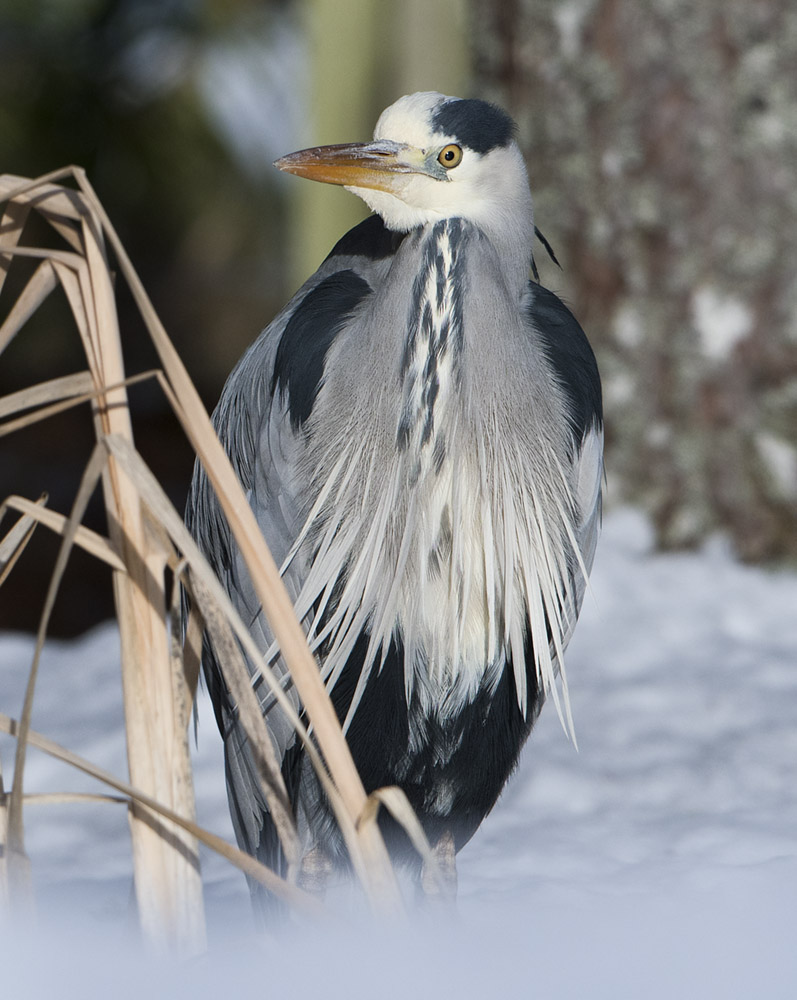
{"x": 378, "y": 164}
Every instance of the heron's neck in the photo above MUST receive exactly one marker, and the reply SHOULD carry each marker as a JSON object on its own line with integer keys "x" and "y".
{"x": 510, "y": 233}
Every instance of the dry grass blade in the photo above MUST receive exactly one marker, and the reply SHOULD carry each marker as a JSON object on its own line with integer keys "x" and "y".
{"x": 72, "y": 289}
{"x": 66, "y": 798}
{"x": 66, "y": 387}
{"x": 16, "y": 838}
{"x": 397, "y": 804}
{"x": 192, "y": 644}
{"x": 11, "y": 225}
{"x": 13, "y": 544}
{"x": 22, "y": 400}
{"x": 36, "y": 189}
{"x": 290, "y": 893}
{"x": 68, "y": 257}
{"x": 87, "y": 539}
{"x": 61, "y": 207}
{"x": 35, "y": 292}
{"x": 237, "y": 679}
{"x": 178, "y": 665}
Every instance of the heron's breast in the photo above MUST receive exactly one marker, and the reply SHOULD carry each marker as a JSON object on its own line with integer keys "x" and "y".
{"x": 423, "y": 513}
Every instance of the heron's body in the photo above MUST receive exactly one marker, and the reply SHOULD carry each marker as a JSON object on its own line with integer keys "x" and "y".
{"x": 419, "y": 433}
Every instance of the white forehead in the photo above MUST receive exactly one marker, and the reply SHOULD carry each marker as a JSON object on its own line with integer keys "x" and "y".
{"x": 409, "y": 119}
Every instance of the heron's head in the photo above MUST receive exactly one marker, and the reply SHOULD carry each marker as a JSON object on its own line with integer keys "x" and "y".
{"x": 432, "y": 157}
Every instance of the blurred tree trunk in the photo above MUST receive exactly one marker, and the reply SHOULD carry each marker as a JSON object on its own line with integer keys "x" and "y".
{"x": 661, "y": 139}
{"x": 340, "y": 37}
{"x": 363, "y": 56}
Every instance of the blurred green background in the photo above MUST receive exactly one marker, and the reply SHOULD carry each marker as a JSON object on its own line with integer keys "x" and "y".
{"x": 658, "y": 137}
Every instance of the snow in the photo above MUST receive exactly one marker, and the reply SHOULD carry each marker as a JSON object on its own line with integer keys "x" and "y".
{"x": 721, "y": 321}
{"x": 780, "y": 459}
{"x": 658, "y": 861}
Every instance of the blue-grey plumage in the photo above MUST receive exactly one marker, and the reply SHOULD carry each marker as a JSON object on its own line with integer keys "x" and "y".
{"x": 419, "y": 433}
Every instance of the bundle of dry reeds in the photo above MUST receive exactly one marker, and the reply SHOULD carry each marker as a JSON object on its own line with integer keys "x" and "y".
{"x": 151, "y": 555}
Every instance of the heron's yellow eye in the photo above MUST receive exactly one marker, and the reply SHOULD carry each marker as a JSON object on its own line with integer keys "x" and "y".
{"x": 450, "y": 156}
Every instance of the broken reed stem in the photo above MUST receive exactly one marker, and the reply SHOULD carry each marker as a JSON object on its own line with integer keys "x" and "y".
{"x": 168, "y": 887}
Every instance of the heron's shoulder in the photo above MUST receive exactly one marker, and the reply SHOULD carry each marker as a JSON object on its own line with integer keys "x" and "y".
{"x": 569, "y": 352}
{"x": 370, "y": 239}
{"x": 321, "y": 310}
{"x": 308, "y": 334}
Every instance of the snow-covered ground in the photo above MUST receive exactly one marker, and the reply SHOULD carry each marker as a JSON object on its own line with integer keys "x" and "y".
{"x": 658, "y": 861}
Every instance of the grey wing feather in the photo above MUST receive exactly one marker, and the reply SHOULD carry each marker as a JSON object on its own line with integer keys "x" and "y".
{"x": 243, "y": 420}
{"x": 573, "y": 364}
{"x": 588, "y": 489}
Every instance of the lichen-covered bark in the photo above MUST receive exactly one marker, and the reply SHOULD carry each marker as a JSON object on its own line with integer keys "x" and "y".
{"x": 661, "y": 139}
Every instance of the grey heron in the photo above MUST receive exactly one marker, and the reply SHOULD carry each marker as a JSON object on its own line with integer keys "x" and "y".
{"x": 420, "y": 436}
